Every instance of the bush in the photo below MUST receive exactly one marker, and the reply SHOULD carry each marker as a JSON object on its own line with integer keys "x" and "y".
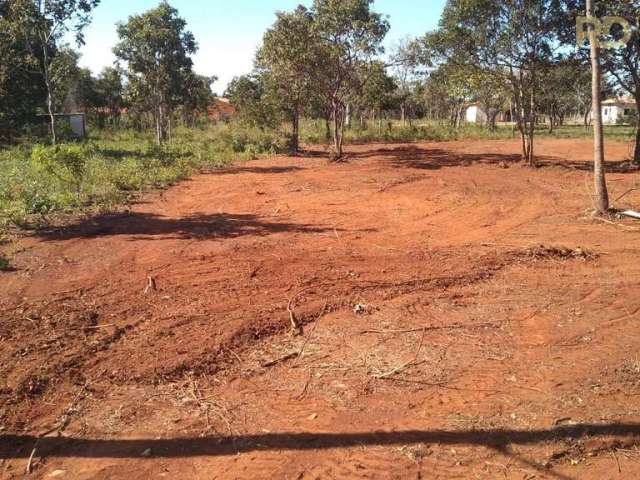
{"x": 65, "y": 162}
{"x": 4, "y": 263}
{"x": 38, "y": 181}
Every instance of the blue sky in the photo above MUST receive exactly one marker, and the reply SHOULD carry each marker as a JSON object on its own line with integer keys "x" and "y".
{"x": 229, "y": 32}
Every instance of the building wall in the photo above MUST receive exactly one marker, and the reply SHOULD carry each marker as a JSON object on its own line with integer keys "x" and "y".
{"x": 475, "y": 114}
{"x": 77, "y": 125}
{"x": 613, "y": 114}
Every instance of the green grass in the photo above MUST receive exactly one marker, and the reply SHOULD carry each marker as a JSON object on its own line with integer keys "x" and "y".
{"x": 621, "y": 133}
{"x": 112, "y": 168}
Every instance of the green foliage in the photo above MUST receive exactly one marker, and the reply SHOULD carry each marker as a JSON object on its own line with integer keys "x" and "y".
{"x": 4, "y": 263}
{"x": 64, "y": 76}
{"x": 351, "y": 35}
{"x": 109, "y": 91}
{"x": 291, "y": 57}
{"x": 66, "y": 162}
{"x": 508, "y": 39}
{"x": 378, "y": 88}
{"x": 255, "y": 100}
{"x": 157, "y": 49}
{"x": 39, "y": 182}
{"x": 21, "y": 88}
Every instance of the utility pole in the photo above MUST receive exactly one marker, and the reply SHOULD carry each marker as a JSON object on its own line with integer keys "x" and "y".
{"x": 601, "y": 193}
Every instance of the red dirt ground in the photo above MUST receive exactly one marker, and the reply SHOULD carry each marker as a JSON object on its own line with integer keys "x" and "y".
{"x": 440, "y": 340}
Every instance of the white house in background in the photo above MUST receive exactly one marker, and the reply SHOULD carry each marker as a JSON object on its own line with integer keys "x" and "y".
{"x": 618, "y": 110}
{"x": 475, "y": 114}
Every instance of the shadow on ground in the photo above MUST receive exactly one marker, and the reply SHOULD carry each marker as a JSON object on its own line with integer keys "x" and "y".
{"x": 19, "y": 446}
{"x": 200, "y": 226}
{"x": 257, "y": 170}
{"x": 437, "y": 158}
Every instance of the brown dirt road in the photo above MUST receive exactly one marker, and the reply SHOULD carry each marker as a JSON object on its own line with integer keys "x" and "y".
{"x": 438, "y": 343}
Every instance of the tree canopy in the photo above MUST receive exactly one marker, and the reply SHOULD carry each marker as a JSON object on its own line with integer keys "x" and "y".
{"x": 157, "y": 49}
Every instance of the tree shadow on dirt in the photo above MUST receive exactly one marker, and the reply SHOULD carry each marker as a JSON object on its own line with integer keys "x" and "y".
{"x": 199, "y": 227}
{"x": 19, "y": 446}
{"x": 256, "y": 170}
{"x": 437, "y": 158}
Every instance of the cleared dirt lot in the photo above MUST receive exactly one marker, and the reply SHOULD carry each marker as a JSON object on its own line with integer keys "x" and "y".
{"x": 440, "y": 340}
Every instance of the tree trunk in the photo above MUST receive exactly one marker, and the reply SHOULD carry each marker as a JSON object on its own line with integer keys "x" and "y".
{"x": 601, "y": 193}
{"x": 327, "y": 125}
{"x": 493, "y": 118}
{"x": 295, "y": 129}
{"x": 587, "y": 114}
{"x": 49, "y": 86}
{"x": 158, "y": 126}
{"x": 348, "y": 116}
{"x": 338, "y": 126}
{"x": 520, "y": 111}
{"x": 636, "y": 151}
{"x": 403, "y": 115}
{"x": 460, "y": 115}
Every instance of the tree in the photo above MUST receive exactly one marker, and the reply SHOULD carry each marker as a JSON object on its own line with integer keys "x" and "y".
{"x": 602, "y": 195}
{"x": 21, "y": 87}
{"x": 196, "y": 96}
{"x": 565, "y": 88}
{"x": 510, "y": 38}
{"x": 252, "y": 97}
{"x": 450, "y": 87}
{"x": 64, "y": 77}
{"x": 378, "y": 89}
{"x": 405, "y": 66}
{"x": 621, "y": 63}
{"x": 290, "y": 54}
{"x": 350, "y": 34}
{"x": 86, "y": 94}
{"x": 53, "y": 20}
{"x": 156, "y": 49}
{"x": 110, "y": 93}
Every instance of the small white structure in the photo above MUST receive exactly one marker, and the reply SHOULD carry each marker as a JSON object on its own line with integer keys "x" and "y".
{"x": 75, "y": 124}
{"x": 78, "y": 124}
{"x": 475, "y": 114}
{"x": 617, "y": 111}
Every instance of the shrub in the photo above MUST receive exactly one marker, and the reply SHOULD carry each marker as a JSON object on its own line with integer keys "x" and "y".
{"x": 4, "y": 263}
{"x": 65, "y": 162}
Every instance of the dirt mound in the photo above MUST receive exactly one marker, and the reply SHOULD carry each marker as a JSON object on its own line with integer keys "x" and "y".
{"x": 543, "y": 252}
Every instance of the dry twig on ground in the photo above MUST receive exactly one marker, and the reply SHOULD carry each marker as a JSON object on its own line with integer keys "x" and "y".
{"x": 403, "y": 367}
{"x": 151, "y": 285}
{"x": 296, "y": 328}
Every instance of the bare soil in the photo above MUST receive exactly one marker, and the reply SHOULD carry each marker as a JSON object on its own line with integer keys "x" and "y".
{"x": 463, "y": 317}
